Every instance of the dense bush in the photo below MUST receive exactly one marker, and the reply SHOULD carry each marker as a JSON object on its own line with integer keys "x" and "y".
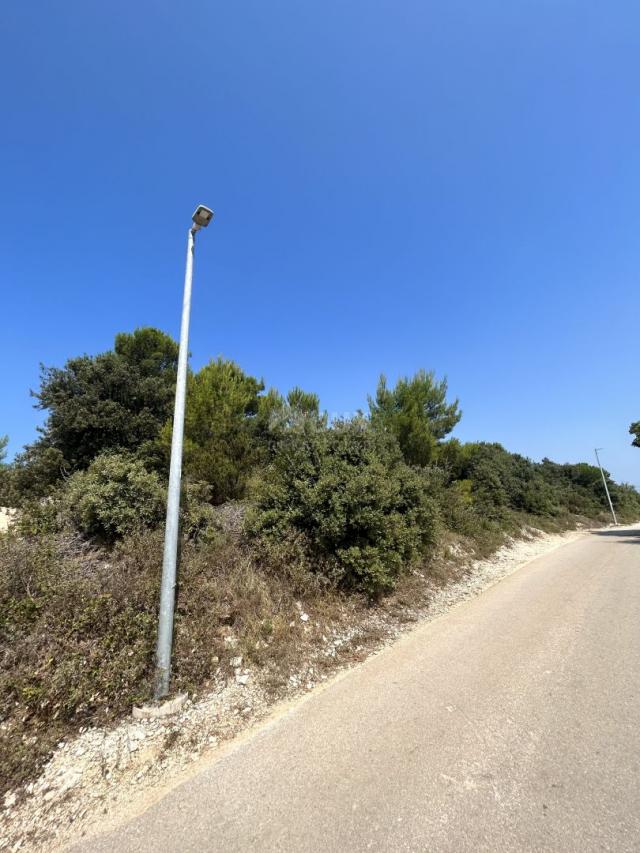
{"x": 503, "y": 481}
{"x": 498, "y": 484}
{"x": 361, "y": 513}
{"x": 626, "y": 501}
{"x": 114, "y": 496}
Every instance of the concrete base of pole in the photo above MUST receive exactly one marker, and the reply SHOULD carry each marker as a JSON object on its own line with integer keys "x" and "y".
{"x": 155, "y": 710}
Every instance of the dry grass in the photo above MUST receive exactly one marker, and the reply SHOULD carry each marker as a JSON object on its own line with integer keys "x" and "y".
{"x": 78, "y": 625}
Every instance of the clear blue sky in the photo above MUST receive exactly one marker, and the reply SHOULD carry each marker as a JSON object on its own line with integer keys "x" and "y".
{"x": 454, "y": 185}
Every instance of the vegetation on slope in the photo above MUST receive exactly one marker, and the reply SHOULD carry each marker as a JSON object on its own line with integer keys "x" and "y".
{"x": 332, "y": 511}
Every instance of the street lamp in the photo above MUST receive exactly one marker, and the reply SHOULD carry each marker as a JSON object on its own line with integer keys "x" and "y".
{"x": 606, "y": 488}
{"x": 201, "y": 218}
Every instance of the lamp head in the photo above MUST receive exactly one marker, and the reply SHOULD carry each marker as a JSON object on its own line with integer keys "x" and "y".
{"x": 202, "y": 216}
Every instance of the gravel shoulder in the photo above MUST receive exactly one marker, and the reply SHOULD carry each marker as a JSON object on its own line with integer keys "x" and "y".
{"x": 105, "y": 776}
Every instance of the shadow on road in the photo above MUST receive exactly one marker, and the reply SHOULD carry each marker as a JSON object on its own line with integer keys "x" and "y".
{"x": 625, "y": 536}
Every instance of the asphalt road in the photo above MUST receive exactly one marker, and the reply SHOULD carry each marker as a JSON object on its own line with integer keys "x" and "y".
{"x": 511, "y": 723}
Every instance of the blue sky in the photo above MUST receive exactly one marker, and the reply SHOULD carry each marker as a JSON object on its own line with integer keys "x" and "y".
{"x": 450, "y": 185}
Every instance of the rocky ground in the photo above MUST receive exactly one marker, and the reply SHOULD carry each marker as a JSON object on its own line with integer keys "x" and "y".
{"x": 104, "y": 772}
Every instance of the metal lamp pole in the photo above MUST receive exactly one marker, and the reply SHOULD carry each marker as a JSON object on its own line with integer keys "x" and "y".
{"x": 201, "y": 218}
{"x": 606, "y": 488}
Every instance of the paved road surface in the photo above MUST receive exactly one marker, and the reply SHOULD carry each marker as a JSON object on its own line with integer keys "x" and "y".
{"x": 511, "y": 723}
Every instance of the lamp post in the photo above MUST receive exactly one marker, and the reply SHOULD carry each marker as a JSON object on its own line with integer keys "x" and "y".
{"x": 201, "y": 218}
{"x": 606, "y": 488}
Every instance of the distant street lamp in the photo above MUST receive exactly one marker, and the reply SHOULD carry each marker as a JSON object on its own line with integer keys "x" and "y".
{"x": 201, "y": 218}
{"x": 606, "y": 488}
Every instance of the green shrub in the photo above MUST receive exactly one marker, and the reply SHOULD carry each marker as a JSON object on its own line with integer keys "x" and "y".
{"x": 40, "y": 517}
{"x": 626, "y": 501}
{"x": 33, "y": 474}
{"x": 114, "y": 496}
{"x": 361, "y": 513}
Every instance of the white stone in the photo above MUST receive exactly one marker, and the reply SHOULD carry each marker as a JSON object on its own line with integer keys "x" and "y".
{"x": 164, "y": 709}
{"x": 68, "y": 780}
{"x": 7, "y": 516}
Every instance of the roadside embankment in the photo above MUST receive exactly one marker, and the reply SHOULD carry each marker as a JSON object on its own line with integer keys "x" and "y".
{"x": 122, "y": 766}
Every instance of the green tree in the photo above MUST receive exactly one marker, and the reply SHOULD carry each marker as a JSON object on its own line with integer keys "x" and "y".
{"x": 116, "y": 400}
{"x": 278, "y": 414}
{"x": 634, "y": 429}
{"x": 150, "y": 352}
{"x": 416, "y": 411}
{"x": 220, "y": 448}
{"x": 34, "y": 473}
{"x": 4, "y": 441}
